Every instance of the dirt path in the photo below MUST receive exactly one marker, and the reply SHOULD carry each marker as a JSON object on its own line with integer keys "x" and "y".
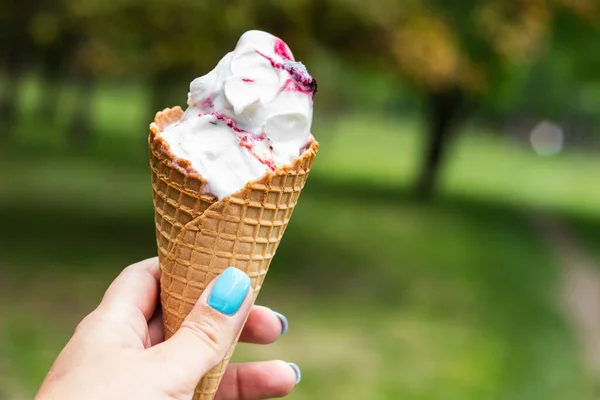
{"x": 580, "y": 292}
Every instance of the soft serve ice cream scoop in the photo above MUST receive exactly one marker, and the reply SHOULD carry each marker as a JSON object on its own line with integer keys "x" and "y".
{"x": 250, "y": 114}
{"x": 227, "y": 174}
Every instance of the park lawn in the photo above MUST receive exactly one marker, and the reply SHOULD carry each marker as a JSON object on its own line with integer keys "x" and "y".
{"x": 372, "y": 149}
{"x": 387, "y": 297}
{"x": 451, "y": 300}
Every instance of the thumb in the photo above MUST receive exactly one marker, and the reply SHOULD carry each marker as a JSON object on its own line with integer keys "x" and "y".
{"x": 208, "y": 331}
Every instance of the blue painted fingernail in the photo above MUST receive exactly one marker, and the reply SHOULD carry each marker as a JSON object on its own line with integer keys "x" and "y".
{"x": 229, "y": 291}
{"x": 284, "y": 322}
{"x": 296, "y": 369}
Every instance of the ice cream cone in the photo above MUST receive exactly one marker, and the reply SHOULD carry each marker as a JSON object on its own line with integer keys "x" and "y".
{"x": 198, "y": 236}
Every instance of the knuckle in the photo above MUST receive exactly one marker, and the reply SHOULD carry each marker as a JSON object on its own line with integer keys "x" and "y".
{"x": 88, "y": 322}
{"x": 129, "y": 273}
{"x": 207, "y": 330}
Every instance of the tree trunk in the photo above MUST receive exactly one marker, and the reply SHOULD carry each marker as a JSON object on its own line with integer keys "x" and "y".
{"x": 161, "y": 84}
{"x": 50, "y": 80}
{"x": 55, "y": 65}
{"x": 16, "y": 51}
{"x": 80, "y": 133}
{"x": 443, "y": 110}
{"x": 9, "y": 98}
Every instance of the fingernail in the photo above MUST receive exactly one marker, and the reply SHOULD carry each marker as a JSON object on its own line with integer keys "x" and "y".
{"x": 296, "y": 369}
{"x": 284, "y": 322}
{"x": 229, "y": 291}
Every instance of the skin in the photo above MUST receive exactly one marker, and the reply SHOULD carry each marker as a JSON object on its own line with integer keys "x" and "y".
{"x": 119, "y": 352}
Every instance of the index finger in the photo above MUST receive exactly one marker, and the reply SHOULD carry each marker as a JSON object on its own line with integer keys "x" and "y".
{"x": 137, "y": 286}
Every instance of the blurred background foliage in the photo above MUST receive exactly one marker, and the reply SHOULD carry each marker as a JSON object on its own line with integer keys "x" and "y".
{"x": 489, "y": 59}
{"x": 454, "y": 204}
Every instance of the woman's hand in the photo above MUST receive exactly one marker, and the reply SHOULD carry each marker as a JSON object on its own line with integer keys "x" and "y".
{"x": 118, "y": 351}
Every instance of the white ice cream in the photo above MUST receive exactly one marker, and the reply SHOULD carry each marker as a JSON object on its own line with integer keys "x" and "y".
{"x": 250, "y": 114}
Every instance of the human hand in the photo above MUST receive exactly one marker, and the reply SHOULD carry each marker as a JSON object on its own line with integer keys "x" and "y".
{"x": 119, "y": 352}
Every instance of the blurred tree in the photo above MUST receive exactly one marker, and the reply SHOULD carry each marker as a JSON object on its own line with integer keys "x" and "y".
{"x": 454, "y": 52}
{"x": 55, "y": 42}
{"x": 15, "y": 19}
{"x": 44, "y": 36}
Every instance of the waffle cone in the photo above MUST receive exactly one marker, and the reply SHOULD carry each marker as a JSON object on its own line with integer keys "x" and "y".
{"x": 199, "y": 236}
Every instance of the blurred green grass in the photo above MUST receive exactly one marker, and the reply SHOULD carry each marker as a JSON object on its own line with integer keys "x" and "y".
{"x": 387, "y": 297}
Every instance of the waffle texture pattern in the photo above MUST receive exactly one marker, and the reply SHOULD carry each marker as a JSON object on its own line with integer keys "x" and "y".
{"x": 199, "y": 236}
